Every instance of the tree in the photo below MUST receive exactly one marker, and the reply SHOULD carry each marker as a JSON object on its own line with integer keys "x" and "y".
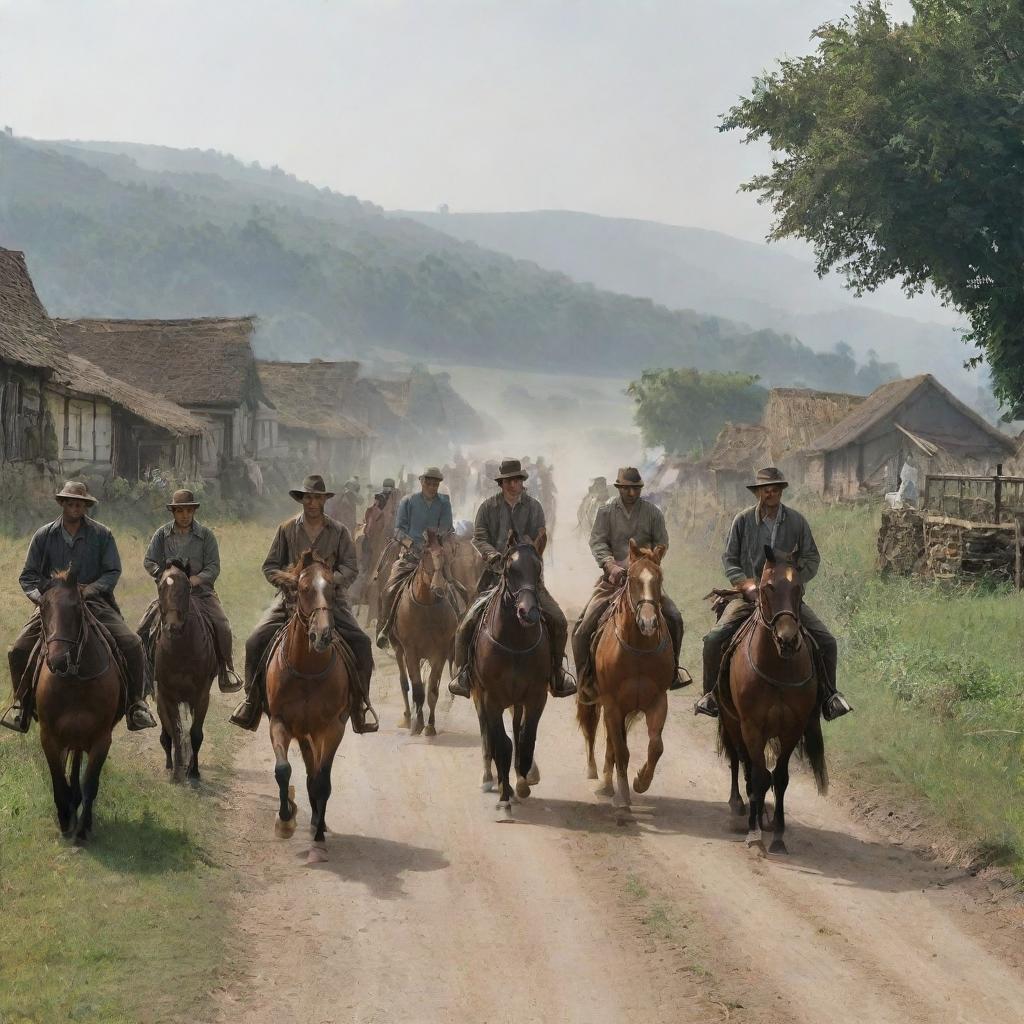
{"x": 684, "y": 409}
{"x": 901, "y": 156}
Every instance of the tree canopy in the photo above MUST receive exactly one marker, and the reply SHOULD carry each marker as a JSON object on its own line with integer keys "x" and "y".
{"x": 900, "y": 155}
{"x": 683, "y": 410}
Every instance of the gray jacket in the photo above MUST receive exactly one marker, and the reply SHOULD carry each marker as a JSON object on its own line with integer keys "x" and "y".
{"x": 614, "y": 527}
{"x": 198, "y": 547}
{"x": 744, "y": 550}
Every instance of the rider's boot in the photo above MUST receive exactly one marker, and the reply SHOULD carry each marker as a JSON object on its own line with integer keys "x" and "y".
{"x": 227, "y": 678}
{"x": 708, "y": 704}
{"x": 680, "y": 679}
{"x": 19, "y": 715}
{"x": 562, "y": 684}
{"x": 249, "y": 713}
{"x": 460, "y": 685}
{"x": 833, "y": 704}
{"x": 137, "y": 716}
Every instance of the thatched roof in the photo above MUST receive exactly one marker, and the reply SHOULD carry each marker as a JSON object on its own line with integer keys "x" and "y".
{"x": 27, "y": 335}
{"x": 84, "y": 378}
{"x": 739, "y": 448}
{"x": 794, "y": 417}
{"x": 396, "y": 393}
{"x": 886, "y": 400}
{"x": 310, "y": 396}
{"x": 199, "y": 362}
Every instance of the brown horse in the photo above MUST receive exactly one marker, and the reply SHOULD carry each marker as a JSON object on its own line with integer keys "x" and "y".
{"x": 634, "y": 664}
{"x": 79, "y": 700}
{"x": 307, "y": 691}
{"x": 510, "y": 668}
{"x": 184, "y": 665}
{"x": 770, "y": 700}
{"x": 464, "y": 564}
{"x": 423, "y": 630}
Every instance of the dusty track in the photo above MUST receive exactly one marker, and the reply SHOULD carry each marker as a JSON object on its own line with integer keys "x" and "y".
{"x": 428, "y": 910}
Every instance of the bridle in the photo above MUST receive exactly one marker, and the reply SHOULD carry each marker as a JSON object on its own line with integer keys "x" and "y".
{"x": 769, "y": 622}
{"x": 188, "y": 601}
{"x": 506, "y": 593}
{"x": 78, "y": 644}
{"x": 305, "y": 621}
{"x": 634, "y": 607}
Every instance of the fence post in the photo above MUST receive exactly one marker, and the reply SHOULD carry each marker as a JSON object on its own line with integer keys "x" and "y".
{"x": 999, "y": 490}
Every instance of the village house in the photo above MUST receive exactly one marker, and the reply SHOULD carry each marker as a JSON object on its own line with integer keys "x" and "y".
{"x": 206, "y": 365}
{"x": 314, "y": 429}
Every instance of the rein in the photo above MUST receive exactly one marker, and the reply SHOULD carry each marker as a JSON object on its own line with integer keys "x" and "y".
{"x": 759, "y": 620}
{"x": 304, "y": 621}
{"x": 634, "y": 607}
{"x": 503, "y": 594}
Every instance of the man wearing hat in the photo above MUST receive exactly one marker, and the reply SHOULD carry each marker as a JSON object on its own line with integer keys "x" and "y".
{"x": 511, "y": 509}
{"x": 344, "y": 507}
{"x": 623, "y": 518}
{"x": 195, "y": 546}
{"x": 769, "y": 523}
{"x": 74, "y": 539}
{"x": 417, "y": 513}
{"x": 310, "y": 530}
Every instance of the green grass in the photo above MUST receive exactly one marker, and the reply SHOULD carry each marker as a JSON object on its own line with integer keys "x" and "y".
{"x": 132, "y": 928}
{"x": 933, "y": 672}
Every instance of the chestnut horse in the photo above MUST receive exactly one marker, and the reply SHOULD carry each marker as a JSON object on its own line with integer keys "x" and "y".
{"x": 423, "y": 630}
{"x": 510, "y": 668}
{"x": 184, "y": 666}
{"x": 79, "y": 700}
{"x": 464, "y": 564}
{"x": 307, "y": 690}
{"x": 770, "y": 700}
{"x": 634, "y": 664}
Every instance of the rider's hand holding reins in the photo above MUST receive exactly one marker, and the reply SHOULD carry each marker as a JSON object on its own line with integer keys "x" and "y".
{"x": 616, "y": 573}
{"x": 749, "y": 590}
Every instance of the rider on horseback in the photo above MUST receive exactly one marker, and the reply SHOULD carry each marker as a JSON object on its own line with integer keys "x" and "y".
{"x": 77, "y": 541}
{"x": 512, "y": 509}
{"x": 310, "y": 530}
{"x": 193, "y": 545}
{"x": 623, "y": 518}
{"x": 417, "y": 513}
{"x": 770, "y": 524}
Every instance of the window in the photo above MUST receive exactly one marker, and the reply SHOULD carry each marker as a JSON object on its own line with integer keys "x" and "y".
{"x": 72, "y": 425}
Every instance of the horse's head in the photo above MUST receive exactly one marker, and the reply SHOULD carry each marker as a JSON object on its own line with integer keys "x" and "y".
{"x": 173, "y": 594}
{"x": 643, "y": 585}
{"x": 433, "y": 559}
{"x": 523, "y": 572}
{"x": 778, "y": 599}
{"x": 63, "y": 621}
{"x": 310, "y": 584}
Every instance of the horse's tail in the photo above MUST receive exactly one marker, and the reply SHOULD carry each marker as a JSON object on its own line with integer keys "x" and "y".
{"x": 588, "y": 716}
{"x": 812, "y": 747}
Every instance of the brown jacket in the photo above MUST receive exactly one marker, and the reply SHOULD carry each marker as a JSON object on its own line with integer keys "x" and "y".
{"x": 333, "y": 544}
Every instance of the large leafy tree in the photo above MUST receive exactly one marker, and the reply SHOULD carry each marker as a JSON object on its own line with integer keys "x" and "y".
{"x": 682, "y": 410}
{"x": 900, "y": 155}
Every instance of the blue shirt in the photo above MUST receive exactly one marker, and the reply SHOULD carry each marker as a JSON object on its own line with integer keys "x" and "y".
{"x": 416, "y": 515}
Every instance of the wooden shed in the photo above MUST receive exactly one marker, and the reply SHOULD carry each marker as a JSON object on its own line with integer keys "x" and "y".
{"x": 915, "y": 417}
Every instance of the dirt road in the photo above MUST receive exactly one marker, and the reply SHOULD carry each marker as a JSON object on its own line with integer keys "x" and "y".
{"x": 429, "y": 910}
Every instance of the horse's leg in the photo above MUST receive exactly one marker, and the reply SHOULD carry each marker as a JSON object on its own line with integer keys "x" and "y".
{"x": 199, "y": 709}
{"x": 760, "y": 780}
{"x": 589, "y": 716}
{"x": 166, "y": 726}
{"x": 607, "y": 787}
{"x": 655, "y": 715}
{"x": 525, "y": 747}
{"x": 281, "y": 739}
{"x": 309, "y": 759}
{"x": 61, "y": 790}
{"x": 501, "y": 745}
{"x": 76, "y": 781}
{"x": 91, "y": 786}
{"x": 433, "y": 687}
{"x": 729, "y": 746}
{"x": 487, "y": 780}
{"x": 617, "y": 736}
{"x": 329, "y": 748}
{"x": 403, "y": 683}
{"x": 780, "y": 780}
{"x": 412, "y": 666}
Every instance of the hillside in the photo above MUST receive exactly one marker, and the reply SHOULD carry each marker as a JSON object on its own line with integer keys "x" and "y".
{"x": 683, "y": 267}
{"x": 119, "y": 230}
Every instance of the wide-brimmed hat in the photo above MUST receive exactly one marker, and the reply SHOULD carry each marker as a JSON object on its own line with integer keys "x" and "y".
{"x": 389, "y": 483}
{"x": 313, "y": 484}
{"x": 432, "y": 473}
{"x": 768, "y": 477}
{"x": 77, "y": 490}
{"x": 183, "y": 498}
{"x": 629, "y": 476}
{"x": 511, "y": 469}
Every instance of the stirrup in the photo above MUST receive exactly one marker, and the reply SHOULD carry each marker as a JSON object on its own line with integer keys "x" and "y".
{"x": 139, "y": 717}
{"x": 835, "y": 706}
{"x": 247, "y": 715}
{"x": 229, "y": 680}
{"x": 460, "y": 686}
{"x": 562, "y": 684}
{"x": 360, "y": 724}
{"x": 17, "y": 719}
{"x": 680, "y": 679}
{"x": 707, "y": 705}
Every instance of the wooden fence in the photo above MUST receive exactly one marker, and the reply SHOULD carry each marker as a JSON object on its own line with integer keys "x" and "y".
{"x": 991, "y": 499}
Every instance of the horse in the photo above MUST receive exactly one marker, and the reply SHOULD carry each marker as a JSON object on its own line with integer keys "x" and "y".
{"x": 464, "y": 564}
{"x": 184, "y": 665}
{"x": 308, "y": 687}
{"x": 770, "y": 700}
{"x": 510, "y": 667}
{"x": 423, "y": 630}
{"x": 80, "y": 697}
{"x": 634, "y": 665}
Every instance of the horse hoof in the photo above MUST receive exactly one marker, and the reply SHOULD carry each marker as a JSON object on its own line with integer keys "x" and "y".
{"x": 416, "y": 729}
{"x": 522, "y": 788}
{"x": 317, "y": 854}
{"x": 284, "y": 829}
{"x": 755, "y": 844}
{"x": 605, "y": 789}
{"x": 641, "y": 784}
{"x": 533, "y": 775}
{"x": 504, "y": 809}
{"x": 778, "y": 846}
{"x": 429, "y": 731}
{"x": 403, "y": 722}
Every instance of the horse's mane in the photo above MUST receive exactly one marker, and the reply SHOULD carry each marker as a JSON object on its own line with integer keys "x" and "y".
{"x": 305, "y": 560}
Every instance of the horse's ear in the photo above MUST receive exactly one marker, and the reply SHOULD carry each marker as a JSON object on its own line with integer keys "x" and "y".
{"x": 769, "y": 554}
{"x": 307, "y": 558}
{"x": 72, "y": 576}
{"x": 541, "y": 542}
{"x": 659, "y": 552}
{"x": 634, "y": 549}
{"x": 284, "y": 580}
{"x": 188, "y": 567}
{"x": 512, "y": 540}
{"x": 794, "y": 553}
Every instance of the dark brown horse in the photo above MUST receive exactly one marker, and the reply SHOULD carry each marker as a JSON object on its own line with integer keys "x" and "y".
{"x": 307, "y": 692}
{"x": 79, "y": 700}
{"x": 634, "y": 664}
{"x": 770, "y": 700}
{"x": 511, "y": 666}
{"x": 184, "y": 666}
{"x": 423, "y": 631}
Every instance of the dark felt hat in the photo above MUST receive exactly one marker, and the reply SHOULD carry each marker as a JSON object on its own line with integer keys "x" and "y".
{"x": 511, "y": 469}
{"x": 313, "y": 484}
{"x": 768, "y": 477}
{"x": 77, "y": 490}
{"x": 432, "y": 473}
{"x": 629, "y": 476}
{"x": 183, "y": 498}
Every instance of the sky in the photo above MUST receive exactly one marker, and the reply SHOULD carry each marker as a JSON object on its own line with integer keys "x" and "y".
{"x": 604, "y": 106}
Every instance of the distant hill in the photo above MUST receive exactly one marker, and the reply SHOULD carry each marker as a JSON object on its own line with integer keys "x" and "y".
{"x": 115, "y": 229}
{"x": 683, "y": 267}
